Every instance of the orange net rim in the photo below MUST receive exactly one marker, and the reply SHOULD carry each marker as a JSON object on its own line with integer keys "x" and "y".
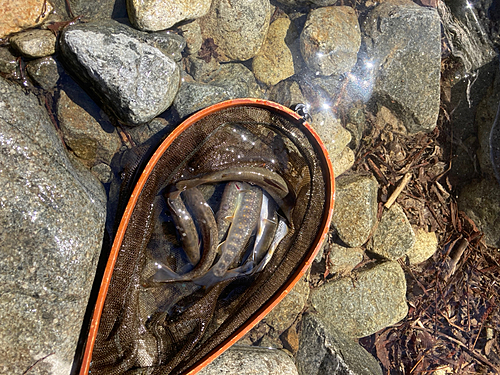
{"x": 284, "y": 290}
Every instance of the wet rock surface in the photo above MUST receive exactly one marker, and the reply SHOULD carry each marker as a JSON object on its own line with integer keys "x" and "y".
{"x": 324, "y": 351}
{"x": 330, "y": 40}
{"x": 279, "y": 56}
{"x": 343, "y": 304}
{"x": 35, "y": 43}
{"x": 45, "y": 72}
{"x": 230, "y": 81}
{"x": 50, "y": 258}
{"x": 52, "y": 216}
{"x": 22, "y": 15}
{"x": 86, "y": 129}
{"x": 134, "y": 80}
{"x": 160, "y": 15}
{"x": 406, "y": 71}
{"x": 238, "y": 27}
{"x": 355, "y": 208}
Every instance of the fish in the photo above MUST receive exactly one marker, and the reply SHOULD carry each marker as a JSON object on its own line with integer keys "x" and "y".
{"x": 268, "y": 180}
{"x": 186, "y": 228}
{"x": 228, "y": 203}
{"x": 205, "y": 219}
{"x": 248, "y": 268}
{"x": 266, "y": 229}
{"x": 242, "y": 227}
{"x": 244, "y": 222}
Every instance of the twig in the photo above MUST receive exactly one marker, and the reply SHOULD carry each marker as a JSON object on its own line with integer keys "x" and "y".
{"x": 398, "y": 190}
{"x": 455, "y": 257}
{"x": 37, "y": 361}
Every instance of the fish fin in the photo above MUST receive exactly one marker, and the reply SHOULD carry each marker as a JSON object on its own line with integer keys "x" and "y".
{"x": 165, "y": 274}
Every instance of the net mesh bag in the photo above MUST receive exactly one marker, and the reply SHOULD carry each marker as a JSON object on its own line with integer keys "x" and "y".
{"x": 152, "y": 326}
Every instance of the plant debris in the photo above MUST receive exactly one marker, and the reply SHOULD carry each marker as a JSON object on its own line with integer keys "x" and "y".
{"x": 208, "y": 50}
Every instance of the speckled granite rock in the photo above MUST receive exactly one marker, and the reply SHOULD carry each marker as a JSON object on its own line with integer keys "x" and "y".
{"x": 323, "y": 351}
{"x": 334, "y": 136}
{"x": 52, "y": 216}
{"x": 34, "y": 43}
{"x": 394, "y": 235}
{"x": 355, "y": 211}
{"x": 117, "y": 64}
{"x": 341, "y": 259}
{"x": 406, "y": 70}
{"x": 85, "y": 128}
{"x": 238, "y": 27}
{"x": 282, "y": 316}
{"x": 8, "y": 63}
{"x": 154, "y": 15}
{"x": 343, "y": 162}
{"x": 330, "y": 40}
{"x": 22, "y": 14}
{"x": 248, "y": 360}
{"x": 230, "y": 81}
{"x": 279, "y": 56}
{"x": 424, "y": 247}
{"x": 191, "y": 32}
{"x": 375, "y": 300}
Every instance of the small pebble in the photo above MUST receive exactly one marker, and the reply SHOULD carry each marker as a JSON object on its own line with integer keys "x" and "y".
{"x": 35, "y": 43}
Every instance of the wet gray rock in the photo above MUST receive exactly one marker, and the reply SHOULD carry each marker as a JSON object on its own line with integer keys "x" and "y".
{"x": 131, "y": 78}
{"x": 85, "y": 128}
{"x": 155, "y": 128}
{"x": 466, "y": 38}
{"x": 93, "y": 9}
{"x": 323, "y": 351}
{"x": 403, "y": 52}
{"x": 238, "y": 27}
{"x": 287, "y": 93}
{"x": 355, "y": 211}
{"x": 8, "y": 63}
{"x": 168, "y": 42}
{"x": 279, "y": 56}
{"x": 334, "y": 136}
{"x": 330, "y": 40}
{"x": 343, "y": 162}
{"x": 102, "y": 172}
{"x": 154, "y": 15}
{"x": 45, "y": 72}
{"x": 200, "y": 69}
{"x": 282, "y": 316}
{"x": 52, "y": 215}
{"x": 394, "y": 235}
{"x": 424, "y": 247}
{"x": 230, "y": 81}
{"x": 34, "y": 43}
{"x": 191, "y": 32}
{"x": 374, "y": 299}
{"x": 480, "y": 200}
{"x": 248, "y": 360}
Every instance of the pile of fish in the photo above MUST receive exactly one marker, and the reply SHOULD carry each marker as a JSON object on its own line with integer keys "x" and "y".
{"x": 241, "y": 238}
